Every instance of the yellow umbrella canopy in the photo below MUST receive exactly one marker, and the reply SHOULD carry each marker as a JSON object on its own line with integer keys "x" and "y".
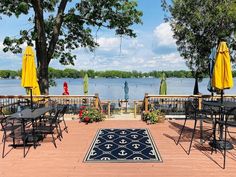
{"x": 222, "y": 75}
{"x": 29, "y": 74}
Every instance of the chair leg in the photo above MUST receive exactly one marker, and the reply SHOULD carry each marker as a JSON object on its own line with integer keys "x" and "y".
{"x": 65, "y": 126}
{"x": 181, "y": 131}
{"x": 4, "y": 144}
{"x": 214, "y": 137}
{"x": 194, "y": 128}
{"x": 13, "y": 140}
{"x": 24, "y": 141}
{"x": 54, "y": 141}
{"x": 59, "y": 131}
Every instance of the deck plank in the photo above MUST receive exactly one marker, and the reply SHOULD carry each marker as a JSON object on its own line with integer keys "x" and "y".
{"x": 67, "y": 159}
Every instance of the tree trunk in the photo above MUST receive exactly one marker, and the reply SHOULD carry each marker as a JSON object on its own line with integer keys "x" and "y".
{"x": 43, "y": 55}
{"x": 41, "y": 47}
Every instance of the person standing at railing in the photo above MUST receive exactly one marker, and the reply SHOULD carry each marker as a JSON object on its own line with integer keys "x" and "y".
{"x": 66, "y": 90}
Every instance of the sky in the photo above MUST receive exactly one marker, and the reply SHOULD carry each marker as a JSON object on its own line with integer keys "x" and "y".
{"x": 153, "y": 49}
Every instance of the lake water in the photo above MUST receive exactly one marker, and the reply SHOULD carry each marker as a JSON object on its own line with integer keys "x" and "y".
{"x": 113, "y": 89}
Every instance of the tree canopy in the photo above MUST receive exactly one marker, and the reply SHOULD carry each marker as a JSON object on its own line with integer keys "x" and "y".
{"x": 61, "y": 26}
{"x": 199, "y": 26}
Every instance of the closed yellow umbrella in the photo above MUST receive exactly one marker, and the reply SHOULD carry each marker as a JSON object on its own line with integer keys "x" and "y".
{"x": 222, "y": 75}
{"x": 222, "y": 79}
{"x": 29, "y": 74}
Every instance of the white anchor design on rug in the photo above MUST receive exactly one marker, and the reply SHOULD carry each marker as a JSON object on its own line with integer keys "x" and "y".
{"x": 134, "y": 136}
{"x": 110, "y": 136}
{"x": 122, "y": 153}
{"x": 151, "y": 152}
{"x": 97, "y": 141}
{"x": 123, "y": 132}
{"x": 93, "y": 152}
{"x": 105, "y": 158}
{"x": 138, "y": 158}
{"x": 108, "y": 146}
{"x": 123, "y": 141}
{"x": 136, "y": 146}
{"x": 123, "y": 145}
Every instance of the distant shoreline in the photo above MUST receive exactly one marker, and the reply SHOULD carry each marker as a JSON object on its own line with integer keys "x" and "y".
{"x": 112, "y": 78}
{"x": 73, "y": 73}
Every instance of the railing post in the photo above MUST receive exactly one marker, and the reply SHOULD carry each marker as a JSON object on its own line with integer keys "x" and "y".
{"x": 146, "y": 102}
{"x": 201, "y": 121}
{"x": 109, "y": 109}
{"x": 199, "y": 102}
{"x": 135, "y": 109}
{"x": 96, "y": 100}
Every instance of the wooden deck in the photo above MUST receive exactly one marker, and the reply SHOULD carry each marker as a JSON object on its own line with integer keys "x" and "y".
{"x": 67, "y": 159}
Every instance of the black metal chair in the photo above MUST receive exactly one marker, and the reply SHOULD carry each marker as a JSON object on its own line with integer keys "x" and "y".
{"x": 61, "y": 117}
{"x": 12, "y": 130}
{"x": 193, "y": 113}
{"x": 227, "y": 123}
{"x": 2, "y": 116}
{"x": 48, "y": 127}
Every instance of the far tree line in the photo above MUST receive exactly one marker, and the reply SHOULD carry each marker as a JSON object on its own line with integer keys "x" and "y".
{"x": 73, "y": 73}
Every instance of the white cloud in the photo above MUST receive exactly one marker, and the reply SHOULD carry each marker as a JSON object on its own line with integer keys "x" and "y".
{"x": 171, "y": 58}
{"x": 163, "y": 35}
{"x": 108, "y": 44}
{"x": 136, "y": 54}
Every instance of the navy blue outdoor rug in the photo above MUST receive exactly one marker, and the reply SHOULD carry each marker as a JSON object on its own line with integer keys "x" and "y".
{"x": 123, "y": 145}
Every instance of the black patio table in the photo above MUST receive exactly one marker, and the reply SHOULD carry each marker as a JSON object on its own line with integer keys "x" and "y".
{"x": 223, "y": 107}
{"x": 27, "y": 115}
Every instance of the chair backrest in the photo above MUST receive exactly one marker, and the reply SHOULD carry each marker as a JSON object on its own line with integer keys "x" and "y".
{"x": 63, "y": 111}
{"x": 230, "y": 113}
{"x": 190, "y": 109}
{"x": 211, "y": 110}
{"x": 7, "y": 124}
{"x": 2, "y": 116}
{"x": 55, "y": 117}
{"x": 3, "y": 122}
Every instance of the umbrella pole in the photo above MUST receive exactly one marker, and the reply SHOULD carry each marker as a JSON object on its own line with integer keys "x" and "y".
{"x": 31, "y": 99}
{"x": 212, "y": 96}
{"x": 221, "y": 96}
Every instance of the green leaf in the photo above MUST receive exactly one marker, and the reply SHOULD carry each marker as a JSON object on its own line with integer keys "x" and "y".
{"x": 23, "y": 7}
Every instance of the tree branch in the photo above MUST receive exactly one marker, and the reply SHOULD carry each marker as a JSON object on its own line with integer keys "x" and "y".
{"x": 56, "y": 29}
{"x": 95, "y": 22}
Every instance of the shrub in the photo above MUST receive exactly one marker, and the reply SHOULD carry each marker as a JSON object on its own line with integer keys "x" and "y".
{"x": 90, "y": 115}
{"x": 153, "y": 116}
